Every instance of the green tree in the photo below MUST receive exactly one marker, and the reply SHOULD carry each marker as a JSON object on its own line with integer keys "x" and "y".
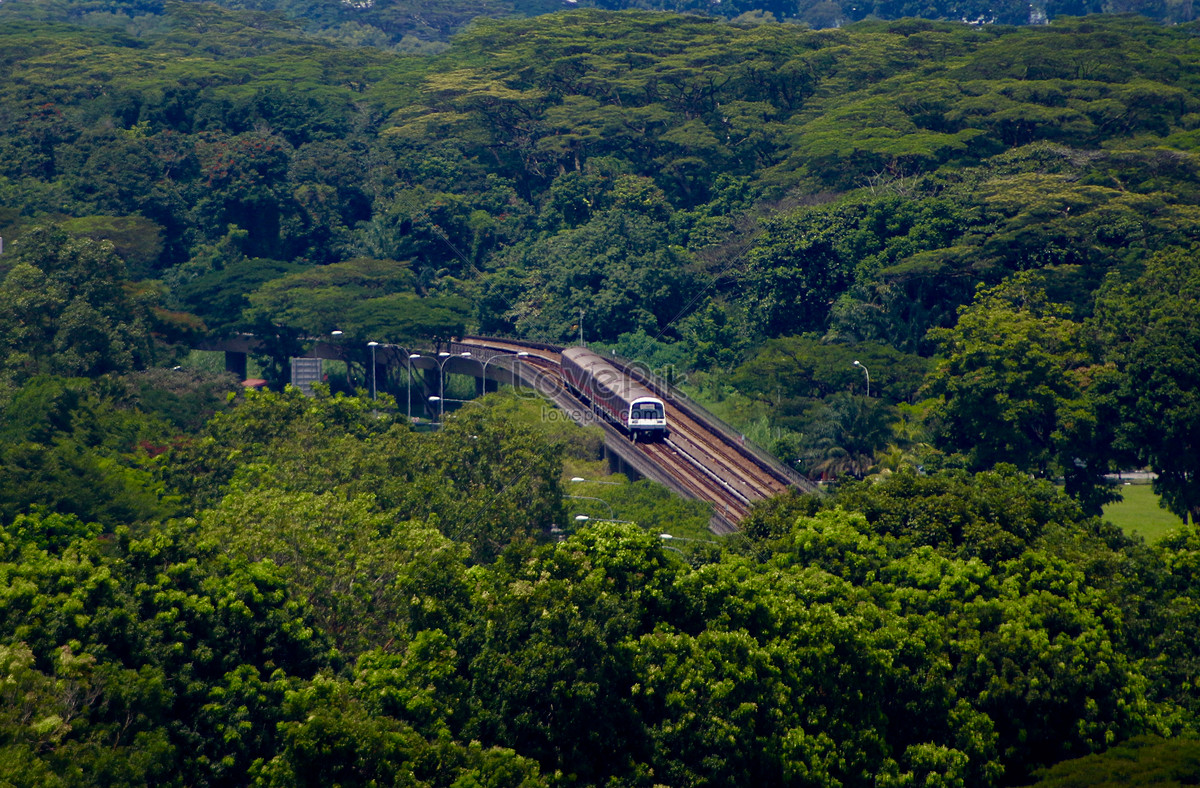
{"x": 1154, "y": 344}
{"x": 802, "y": 369}
{"x": 994, "y": 515}
{"x": 1142, "y": 760}
{"x": 844, "y": 436}
{"x": 69, "y": 447}
{"x": 619, "y": 268}
{"x": 550, "y": 666}
{"x": 1162, "y": 392}
{"x": 64, "y": 309}
{"x": 219, "y": 296}
{"x": 1012, "y": 383}
{"x": 361, "y": 572}
{"x": 795, "y": 271}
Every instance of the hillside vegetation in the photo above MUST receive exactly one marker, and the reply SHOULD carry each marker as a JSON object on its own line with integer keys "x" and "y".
{"x": 752, "y": 207}
{"x": 945, "y": 267}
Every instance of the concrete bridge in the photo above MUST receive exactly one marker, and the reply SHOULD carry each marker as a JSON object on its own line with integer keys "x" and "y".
{"x": 704, "y": 459}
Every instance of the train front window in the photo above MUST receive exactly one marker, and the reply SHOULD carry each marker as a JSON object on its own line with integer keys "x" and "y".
{"x": 647, "y": 410}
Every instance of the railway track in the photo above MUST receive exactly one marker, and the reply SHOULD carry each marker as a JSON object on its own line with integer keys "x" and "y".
{"x": 698, "y": 460}
{"x": 702, "y": 462}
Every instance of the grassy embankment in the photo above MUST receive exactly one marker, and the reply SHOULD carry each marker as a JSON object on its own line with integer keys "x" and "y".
{"x": 1139, "y": 513}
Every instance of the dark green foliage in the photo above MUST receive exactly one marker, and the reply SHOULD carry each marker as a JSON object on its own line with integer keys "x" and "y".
{"x": 67, "y": 447}
{"x": 64, "y": 310}
{"x": 136, "y": 240}
{"x": 1157, "y": 394}
{"x": 339, "y": 599}
{"x": 618, "y": 140}
{"x": 220, "y": 296}
{"x": 618, "y": 268}
{"x": 185, "y": 399}
{"x": 1163, "y": 392}
{"x": 994, "y": 515}
{"x": 793, "y": 371}
{"x": 1143, "y": 760}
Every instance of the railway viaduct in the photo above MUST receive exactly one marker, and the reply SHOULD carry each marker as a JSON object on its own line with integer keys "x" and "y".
{"x": 703, "y": 459}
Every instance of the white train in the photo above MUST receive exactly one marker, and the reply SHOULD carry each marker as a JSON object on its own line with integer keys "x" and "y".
{"x": 625, "y": 402}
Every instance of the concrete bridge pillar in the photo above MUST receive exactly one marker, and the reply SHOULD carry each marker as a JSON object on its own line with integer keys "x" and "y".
{"x": 235, "y": 362}
{"x": 431, "y": 389}
{"x": 617, "y": 464}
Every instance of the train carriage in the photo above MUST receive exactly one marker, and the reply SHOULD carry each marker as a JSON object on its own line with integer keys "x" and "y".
{"x": 626, "y": 403}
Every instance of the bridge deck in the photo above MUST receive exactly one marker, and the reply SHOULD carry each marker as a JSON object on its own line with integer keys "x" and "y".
{"x": 704, "y": 458}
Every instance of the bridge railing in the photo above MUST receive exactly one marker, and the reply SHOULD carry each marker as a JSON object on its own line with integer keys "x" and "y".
{"x": 752, "y": 448}
{"x": 681, "y": 400}
{"x": 732, "y": 436}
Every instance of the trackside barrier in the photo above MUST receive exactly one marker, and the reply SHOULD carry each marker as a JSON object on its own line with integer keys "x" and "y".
{"x": 731, "y": 436}
{"x": 760, "y": 456}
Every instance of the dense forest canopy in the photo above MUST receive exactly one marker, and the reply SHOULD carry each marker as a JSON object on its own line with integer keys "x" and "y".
{"x": 302, "y": 591}
{"x": 948, "y": 267}
{"x": 426, "y": 26}
{"x": 719, "y": 199}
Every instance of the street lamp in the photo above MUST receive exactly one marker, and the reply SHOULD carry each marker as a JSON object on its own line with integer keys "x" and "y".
{"x": 583, "y": 518}
{"x": 581, "y": 313}
{"x": 673, "y": 538}
{"x": 373, "y": 345}
{"x": 858, "y": 364}
{"x": 445, "y": 356}
{"x": 520, "y": 355}
{"x": 409, "y": 357}
{"x": 336, "y": 333}
{"x": 408, "y": 388}
{"x": 611, "y": 513}
{"x": 579, "y": 479}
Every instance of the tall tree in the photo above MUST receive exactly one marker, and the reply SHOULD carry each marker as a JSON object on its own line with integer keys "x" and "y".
{"x": 1156, "y": 344}
{"x": 64, "y": 309}
{"x": 1012, "y": 385}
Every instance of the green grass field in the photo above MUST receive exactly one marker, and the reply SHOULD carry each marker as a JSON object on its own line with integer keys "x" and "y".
{"x": 1140, "y": 513}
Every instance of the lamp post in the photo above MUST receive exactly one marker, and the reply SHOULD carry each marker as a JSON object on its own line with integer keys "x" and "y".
{"x": 858, "y": 364}
{"x": 373, "y": 344}
{"x": 583, "y": 518}
{"x": 673, "y": 538}
{"x": 408, "y": 387}
{"x": 408, "y": 360}
{"x": 445, "y": 356}
{"x": 436, "y": 398}
{"x": 337, "y": 333}
{"x": 409, "y": 356}
{"x": 581, "y": 313}
{"x": 580, "y": 479}
{"x": 611, "y": 513}
{"x": 519, "y": 355}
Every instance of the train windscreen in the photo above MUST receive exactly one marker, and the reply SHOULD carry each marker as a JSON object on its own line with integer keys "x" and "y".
{"x": 647, "y": 410}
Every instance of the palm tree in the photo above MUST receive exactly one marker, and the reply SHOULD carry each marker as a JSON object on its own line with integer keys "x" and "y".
{"x": 847, "y": 433}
